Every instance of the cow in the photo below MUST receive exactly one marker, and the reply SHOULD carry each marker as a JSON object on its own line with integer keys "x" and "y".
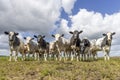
{"x": 16, "y": 45}
{"x": 53, "y": 50}
{"x": 75, "y": 44}
{"x": 93, "y": 49}
{"x": 31, "y": 46}
{"x": 85, "y": 48}
{"x": 43, "y": 46}
{"x": 62, "y": 45}
{"x": 104, "y": 44}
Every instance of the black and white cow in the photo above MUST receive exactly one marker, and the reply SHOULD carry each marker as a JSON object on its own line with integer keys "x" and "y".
{"x": 53, "y": 50}
{"x": 93, "y": 49}
{"x": 62, "y": 45}
{"x": 85, "y": 48}
{"x": 75, "y": 44}
{"x": 16, "y": 45}
{"x": 31, "y": 46}
{"x": 104, "y": 44}
{"x": 43, "y": 46}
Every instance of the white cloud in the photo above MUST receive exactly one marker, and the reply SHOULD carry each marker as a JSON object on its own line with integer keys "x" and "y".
{"x": 29, "y": 15}
{"x": 68, "y": 5}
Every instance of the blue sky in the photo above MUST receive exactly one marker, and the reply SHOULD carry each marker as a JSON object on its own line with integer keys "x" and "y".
{"x": 46, "y": 17}
{"x": 101, "y": 6}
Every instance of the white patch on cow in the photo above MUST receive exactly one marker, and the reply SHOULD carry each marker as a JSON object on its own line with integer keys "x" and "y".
{"x": 11, "y": 33}
{"x": 57, "y": 37}
{"x": 28, "y": 39}
{"x": 99, "y": 42}
{"x": 109, "y": 35}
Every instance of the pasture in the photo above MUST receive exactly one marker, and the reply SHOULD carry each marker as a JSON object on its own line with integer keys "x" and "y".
{"x": 60, "y": 70}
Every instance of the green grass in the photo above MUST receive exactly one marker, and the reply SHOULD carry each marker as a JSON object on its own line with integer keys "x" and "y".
{"x": 56, "y": 70}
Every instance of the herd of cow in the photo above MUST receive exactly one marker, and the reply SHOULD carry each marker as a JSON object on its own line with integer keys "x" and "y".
{"x": 60, "y": 48}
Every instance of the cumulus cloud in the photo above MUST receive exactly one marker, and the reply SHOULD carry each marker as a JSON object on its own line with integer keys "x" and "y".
{"x": 68, "y": 5}
{"x": 29, "y": 15}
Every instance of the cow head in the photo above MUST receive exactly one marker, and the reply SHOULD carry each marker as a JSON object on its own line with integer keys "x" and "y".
{"x": 28, "y": 40}
{"x": 39, "y": 38}
{"x": 109, "y": 36}
{"x": 75, "y": 37}
{"x": 76, "y": 34}
{"x": 12, "y": 35}
{"x": 57, "y": 37}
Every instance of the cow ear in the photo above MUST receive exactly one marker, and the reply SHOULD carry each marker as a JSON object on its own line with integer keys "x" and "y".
{"x": 35, "y": 36}
{"x": 113, "y": 33}
{"x": 104, "y": 34}
{"x": 53, "y": 35}
{"x": 71, "y": 32}
{"x": 16, "y": 33}
{"x": 62, "y": 35}
{"x": 44, "y": 36}
{"x": 81, "y": 31}
{"x": 24, "y": 37}
{"x": 6, "y": 32}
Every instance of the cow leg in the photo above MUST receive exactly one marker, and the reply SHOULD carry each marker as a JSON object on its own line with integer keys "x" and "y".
{"x": 78, "y": 56}
{"x": 10, "y": 55}
{"x": 38, "y": 56}
{"x": 16, "y": 55}
{"x": 105, "y": 55}
{"x": 45, "y": 56}
{"x": 28, "y": 55}
{"x": 35, "y": 56}
{"x": 60, "y": 56}
{"x": 96, "y": 57}
{"x": 66, "y": 56}
{"x": 22, "y": 57}
{"x": 56, "y": 57}
{"x": 72, "y": 56}
{"x": 83, "y": 56}
{"x": 108, "y": 57}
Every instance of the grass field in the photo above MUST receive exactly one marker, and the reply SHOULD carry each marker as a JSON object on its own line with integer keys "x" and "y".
{"x": 56, "y": 70}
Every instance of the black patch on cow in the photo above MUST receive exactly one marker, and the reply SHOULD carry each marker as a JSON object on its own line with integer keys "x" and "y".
{"x": 85, "y": 43}
{"x": 106, "y": 42}
{"x": 41, "y": 42}
{"x": 15, "y": 42}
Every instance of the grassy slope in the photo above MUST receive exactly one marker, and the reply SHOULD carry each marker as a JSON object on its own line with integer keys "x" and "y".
{"x": 55, "y": 70}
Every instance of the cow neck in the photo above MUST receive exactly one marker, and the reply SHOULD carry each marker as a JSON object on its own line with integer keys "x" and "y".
{"x": 106, "y": 42}
{"x": 75, "y": 42}
{"x": 42, "y": 44}
{"x": 60, "y": 41}
{"x": 15, "y": 43}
